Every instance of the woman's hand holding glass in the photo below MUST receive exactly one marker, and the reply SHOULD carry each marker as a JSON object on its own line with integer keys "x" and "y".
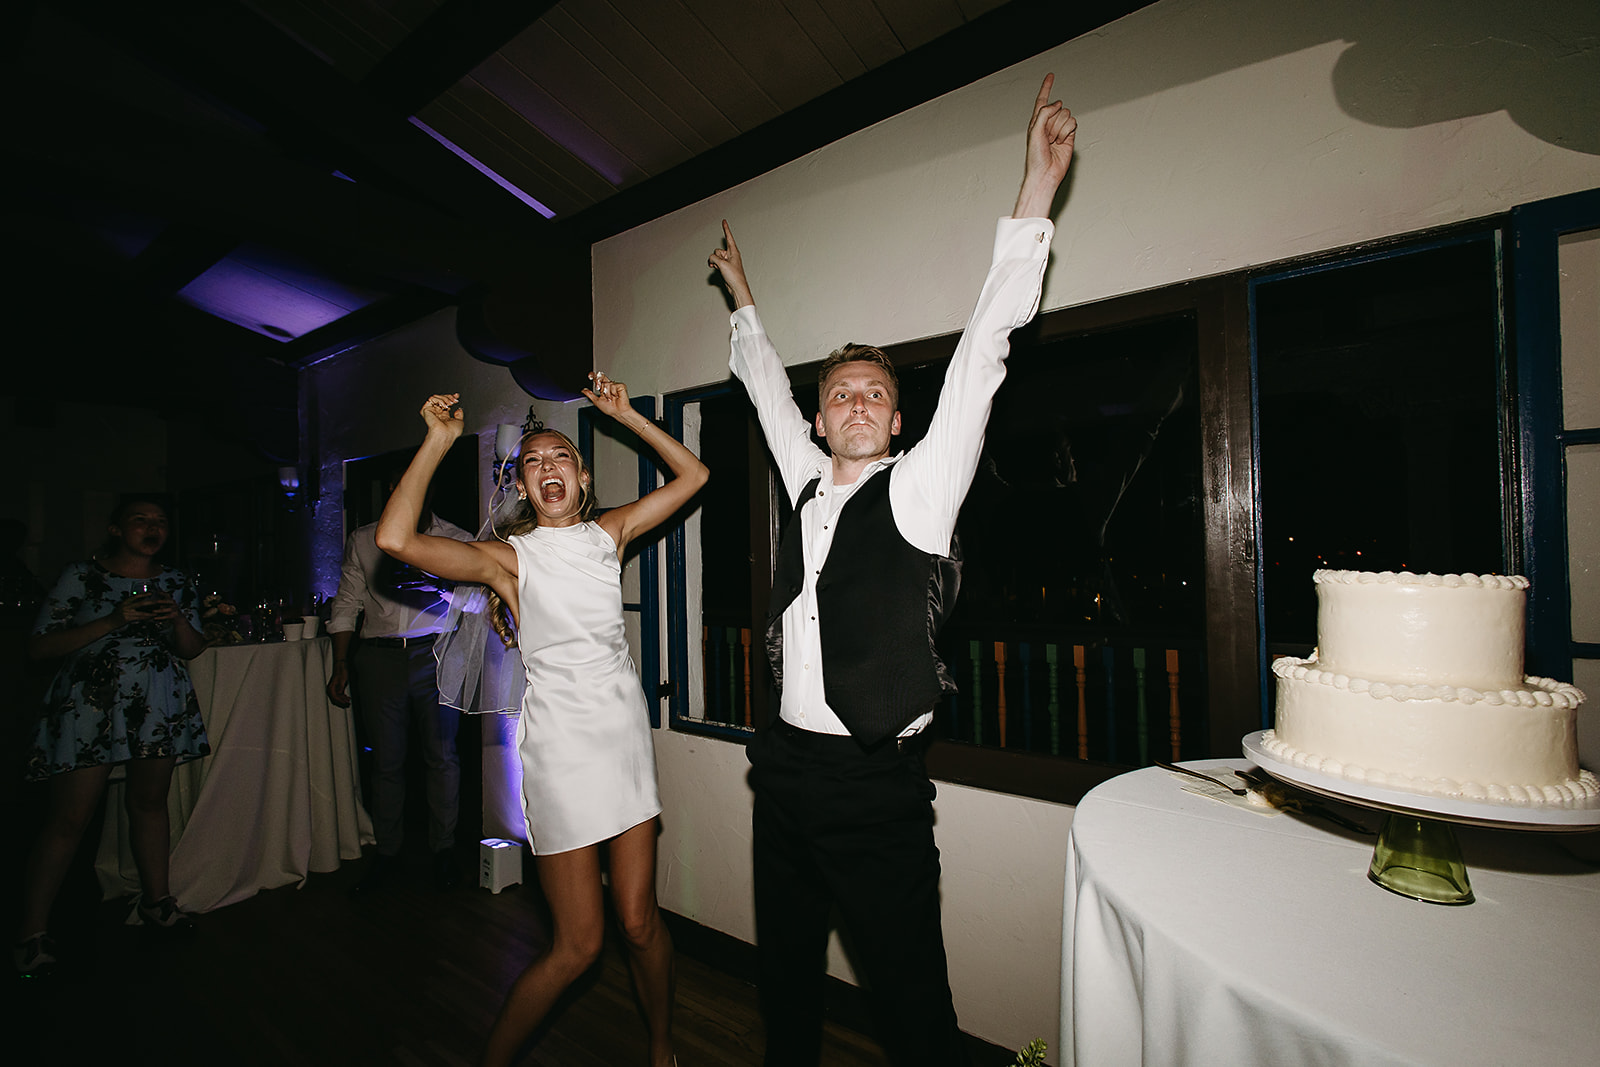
{"x": 155, "y": 606}
{"x": 161, "y": 606}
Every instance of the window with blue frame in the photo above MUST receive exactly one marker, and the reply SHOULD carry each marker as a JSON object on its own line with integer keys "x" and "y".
{"x": 720, "y": 569}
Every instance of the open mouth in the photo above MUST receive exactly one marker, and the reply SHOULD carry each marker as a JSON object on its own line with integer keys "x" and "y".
{"x": 552, "y": 490}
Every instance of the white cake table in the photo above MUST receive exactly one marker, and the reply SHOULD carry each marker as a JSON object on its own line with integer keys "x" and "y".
{"x": 1197, "y": 933}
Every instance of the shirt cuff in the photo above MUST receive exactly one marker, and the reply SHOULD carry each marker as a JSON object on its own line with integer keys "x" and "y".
{"x": 747, "y": 320}
{"x": 1023, "y": 239}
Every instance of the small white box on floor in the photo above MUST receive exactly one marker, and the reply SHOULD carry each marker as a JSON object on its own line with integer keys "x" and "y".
{"x": 499, "y": 863}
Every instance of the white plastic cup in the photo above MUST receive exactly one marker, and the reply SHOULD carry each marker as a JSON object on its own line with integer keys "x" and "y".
{"x": 292, "y": 631}
{"x": 310, "y": 622}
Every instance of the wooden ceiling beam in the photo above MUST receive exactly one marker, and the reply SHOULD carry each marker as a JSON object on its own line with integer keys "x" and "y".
{"x": 364, "y": 325}
{"x": 224, "y": 49}
{"x": 246, "y": 196}
{"x": 456, "y": 37}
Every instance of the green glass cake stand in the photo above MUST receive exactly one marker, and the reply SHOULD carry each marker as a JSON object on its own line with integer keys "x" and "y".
{"x": 1417, "y": 854}
{"x": 1420, "y": 858}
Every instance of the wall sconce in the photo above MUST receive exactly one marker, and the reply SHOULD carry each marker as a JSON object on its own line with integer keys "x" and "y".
{"x": 508, "y": 438}
{"x": 289, "y": 484}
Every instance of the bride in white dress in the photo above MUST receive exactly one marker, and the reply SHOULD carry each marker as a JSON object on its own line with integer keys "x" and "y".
{"x": 589, "y": 775}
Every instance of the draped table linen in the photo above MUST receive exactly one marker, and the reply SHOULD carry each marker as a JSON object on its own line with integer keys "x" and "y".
{"x": 1198, "y": 933}
{"x": 278, "y": 798}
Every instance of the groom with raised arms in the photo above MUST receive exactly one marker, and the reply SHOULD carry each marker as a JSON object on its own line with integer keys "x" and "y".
{"x": 843, "y": 805}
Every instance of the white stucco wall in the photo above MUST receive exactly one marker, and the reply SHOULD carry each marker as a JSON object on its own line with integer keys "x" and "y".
{"x": 1214, "y": 136}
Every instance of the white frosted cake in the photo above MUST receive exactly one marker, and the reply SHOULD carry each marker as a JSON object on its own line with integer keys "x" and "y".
{"x": 1417, "y": 685}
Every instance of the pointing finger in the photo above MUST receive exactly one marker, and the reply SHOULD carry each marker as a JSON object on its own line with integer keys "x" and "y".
{"x": 1044, "y": 94}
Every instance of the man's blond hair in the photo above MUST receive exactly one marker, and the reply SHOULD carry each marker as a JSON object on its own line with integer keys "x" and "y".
{"x": 854, "y": 353}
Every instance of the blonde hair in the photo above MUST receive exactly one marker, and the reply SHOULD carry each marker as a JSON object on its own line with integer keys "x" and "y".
{"x": 525, "y": 517}
{"x": 850, "y": 352}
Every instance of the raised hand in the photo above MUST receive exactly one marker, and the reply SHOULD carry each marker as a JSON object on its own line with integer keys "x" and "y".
{"x": 436, "y": 415}
{"x": 1051, "y": 134}
{"x": 609, "y": 396}
{"x": 730, "y": 265}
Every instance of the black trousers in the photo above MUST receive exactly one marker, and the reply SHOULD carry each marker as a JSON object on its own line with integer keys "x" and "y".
{"x": 837, "y": 826}
{"x": 392, "y": 688}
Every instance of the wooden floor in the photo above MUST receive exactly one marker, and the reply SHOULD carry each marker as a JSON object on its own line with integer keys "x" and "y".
{"x": 315, "y": 975}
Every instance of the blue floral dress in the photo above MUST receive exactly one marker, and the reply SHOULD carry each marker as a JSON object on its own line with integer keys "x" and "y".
{"x": 126, "y": 696}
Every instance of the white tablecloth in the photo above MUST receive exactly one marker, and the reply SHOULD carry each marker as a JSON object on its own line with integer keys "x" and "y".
{"x": 1196, "y": 933}
{"x": 278, "y": 797}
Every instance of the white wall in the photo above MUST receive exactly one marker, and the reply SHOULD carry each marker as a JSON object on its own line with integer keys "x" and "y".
{"x": 1214, "y": 136}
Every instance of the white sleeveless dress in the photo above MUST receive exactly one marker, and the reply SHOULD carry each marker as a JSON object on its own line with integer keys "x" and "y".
{"x": 588, "y": 763}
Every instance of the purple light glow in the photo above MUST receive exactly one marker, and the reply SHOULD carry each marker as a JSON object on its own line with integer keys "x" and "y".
{"x": 481, "y": 168}
{"x": 272, "y": 295}
{"x": 502, "y": 779}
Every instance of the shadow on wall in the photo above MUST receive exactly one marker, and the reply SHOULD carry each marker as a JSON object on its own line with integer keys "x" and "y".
{"x": 1479, "y": 57}
{"x": 1404, "y": 65}
{"x": 1473, "y": 57}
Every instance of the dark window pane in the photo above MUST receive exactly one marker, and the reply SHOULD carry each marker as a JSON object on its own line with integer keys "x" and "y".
{"x": 1082, "y": 604}
{"x": 1379, "y": 425}
{"x": 729, "y": 639}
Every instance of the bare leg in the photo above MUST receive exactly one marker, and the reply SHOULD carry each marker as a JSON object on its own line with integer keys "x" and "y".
{"x": 633, "y": 894}
{"x": 149, "y": 827}
{"x": 74, "y": 799}
{"x": 571, "y": 884}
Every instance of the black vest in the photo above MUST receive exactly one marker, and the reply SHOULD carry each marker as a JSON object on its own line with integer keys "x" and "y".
{"x": 880, "y": 602}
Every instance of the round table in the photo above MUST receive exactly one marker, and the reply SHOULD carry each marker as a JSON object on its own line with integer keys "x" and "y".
{"x": 278, "y": 798}
{"x": 1197, "y": 932}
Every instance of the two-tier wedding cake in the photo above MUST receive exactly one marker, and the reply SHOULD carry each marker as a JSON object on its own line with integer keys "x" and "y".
{"x": 1417, "y": 685}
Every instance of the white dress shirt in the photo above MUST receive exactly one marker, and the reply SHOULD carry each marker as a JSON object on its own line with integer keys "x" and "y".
{"x": 389, "y": 612}
{"x": 927, "y": 483}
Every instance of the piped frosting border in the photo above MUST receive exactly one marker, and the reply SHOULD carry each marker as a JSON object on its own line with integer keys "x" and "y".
{"x": 1571, "y": 793}
{"x": 1539, "y": 692}
{"x": 1448, "y": 581}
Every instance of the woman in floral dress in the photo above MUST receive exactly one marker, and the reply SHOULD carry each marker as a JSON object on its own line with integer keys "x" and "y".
{"x": 122, "y": 625}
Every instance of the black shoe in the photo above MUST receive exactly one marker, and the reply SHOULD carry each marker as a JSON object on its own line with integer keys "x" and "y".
{"x": 162, "y": 916}
{"x": 35, "y": 957}
{"x": 381, "y": 870}
{"x": 445, "y": 872}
